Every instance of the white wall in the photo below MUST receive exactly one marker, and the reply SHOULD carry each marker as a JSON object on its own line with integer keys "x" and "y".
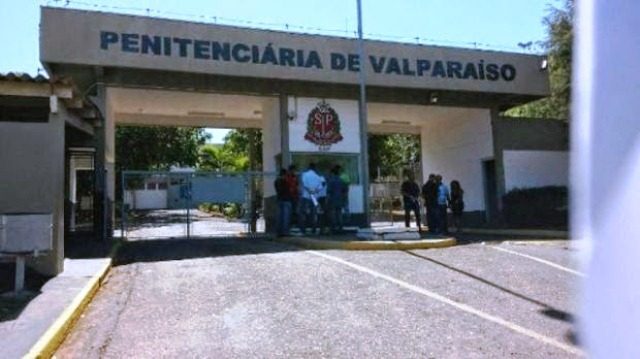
{"x": 455, "y": 146}
{"x": 347, "y": 113}
{"x": 525, "y": 169}
{"x": 349, "y": 128}
{"x": 146, "y": 199}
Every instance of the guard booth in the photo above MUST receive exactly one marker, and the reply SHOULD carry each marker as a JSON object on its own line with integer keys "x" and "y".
{"x": 299, "y": 90}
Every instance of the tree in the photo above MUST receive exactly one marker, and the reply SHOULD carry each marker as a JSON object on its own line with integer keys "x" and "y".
{"x": 390, "y": 154}
{"x": 221, "y": 158}
{"x": 558, "y": 45}
{"x": 157, "y": 148}
{"x": 233, "y": 155}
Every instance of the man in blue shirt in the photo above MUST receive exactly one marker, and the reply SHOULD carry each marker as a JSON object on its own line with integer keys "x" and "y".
{"x": 443, "y": 201}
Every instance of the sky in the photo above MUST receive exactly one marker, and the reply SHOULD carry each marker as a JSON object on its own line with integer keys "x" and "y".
{"x": 487, "y": 24}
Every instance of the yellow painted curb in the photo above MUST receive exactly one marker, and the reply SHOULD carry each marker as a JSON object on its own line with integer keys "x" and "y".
{"x": 312, "y": 243}
{"x": 53, "y": 337}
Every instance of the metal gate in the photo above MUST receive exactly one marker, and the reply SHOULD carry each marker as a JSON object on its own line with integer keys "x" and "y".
{"x": 193, "y": 204}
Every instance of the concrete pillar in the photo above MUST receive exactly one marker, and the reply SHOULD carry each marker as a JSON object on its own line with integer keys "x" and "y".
{"x": 499, "y": 166}
{"x": 53, "y": 262}
{"x": 284, "y": 131}
{"x": 272, "y": 138}
{"x": 104, "y": 197}
{"x": 252, "y": 133}
{"x": 73, "y": 200}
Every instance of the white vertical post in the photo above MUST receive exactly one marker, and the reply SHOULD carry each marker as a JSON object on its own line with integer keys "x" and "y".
{"x": 362, "y": 114}
{"x": 606, "y": 173}
{"x": 19, "y": 284}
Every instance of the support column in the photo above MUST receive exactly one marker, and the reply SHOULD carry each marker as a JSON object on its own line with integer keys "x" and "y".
{"x": 104, "y": 163}
{"x": 499, "y": 167}
{"x": 285, "y": 155}
{"x": 73, "y": 199}
{"x": 252, "y": 181}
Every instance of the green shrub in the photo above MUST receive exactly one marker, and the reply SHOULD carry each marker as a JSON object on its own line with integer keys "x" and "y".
{"x": 536, "y": 207}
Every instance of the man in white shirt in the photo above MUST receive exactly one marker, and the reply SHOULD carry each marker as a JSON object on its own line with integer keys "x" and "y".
{"x": 312, "y": 186}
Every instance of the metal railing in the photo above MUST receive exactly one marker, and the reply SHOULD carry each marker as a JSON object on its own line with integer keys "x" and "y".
{"x": 157, "y": 204}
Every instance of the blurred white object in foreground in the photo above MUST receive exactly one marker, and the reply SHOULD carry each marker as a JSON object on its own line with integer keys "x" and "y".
{"x": 605, "y": 174}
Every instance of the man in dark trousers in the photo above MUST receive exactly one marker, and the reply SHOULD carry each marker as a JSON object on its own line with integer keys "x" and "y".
{"x": 410, "y": 194}
{"x": 284, "y": 204}
{"x": 430, "y": 195}
{"x": 294, "y": 189}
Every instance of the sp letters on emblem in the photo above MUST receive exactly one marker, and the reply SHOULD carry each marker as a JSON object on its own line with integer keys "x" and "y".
{"x": 323, "y": 126}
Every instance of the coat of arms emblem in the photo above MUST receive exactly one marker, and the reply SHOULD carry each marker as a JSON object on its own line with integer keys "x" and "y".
{"x": 323, "y": 126}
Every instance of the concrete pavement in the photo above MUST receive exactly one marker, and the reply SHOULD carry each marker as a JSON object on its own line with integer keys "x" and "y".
{"x": 45, "y": 320}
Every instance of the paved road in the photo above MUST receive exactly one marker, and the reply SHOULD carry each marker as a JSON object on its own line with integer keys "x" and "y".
{"x": 256, "y": 299}
{"x": 172, "y": 223}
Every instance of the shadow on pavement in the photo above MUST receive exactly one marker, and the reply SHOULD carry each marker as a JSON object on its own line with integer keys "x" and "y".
{"x": 177, "y": 249}
{"x": 548, "y": 310}
{"x": 11, "y": 305}
{"x": 86, "y": 245}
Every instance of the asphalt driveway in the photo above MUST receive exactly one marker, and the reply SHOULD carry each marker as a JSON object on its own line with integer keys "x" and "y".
{"x": 239, "y": 298}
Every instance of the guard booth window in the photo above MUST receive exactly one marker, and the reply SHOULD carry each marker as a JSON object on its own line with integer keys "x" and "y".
{"x": 325, "y": 161}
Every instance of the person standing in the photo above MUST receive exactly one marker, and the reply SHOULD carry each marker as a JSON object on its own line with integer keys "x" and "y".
{"x": 430, "y": 196}
{"x": 410, "y": 193}
{"x": 457, "y": 204}
{"x": 283, "y": 196}
{"x": 323, "y": 213}
{"x": 346, "y": 216}
{"x": 311, "y": 186}
{"x": 294, "y": 190}
{"x": 336, "y": 190}
{"x": 443, "y": 201}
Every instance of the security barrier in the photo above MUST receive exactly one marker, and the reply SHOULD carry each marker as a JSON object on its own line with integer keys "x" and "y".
{"x": 194, "y": 204}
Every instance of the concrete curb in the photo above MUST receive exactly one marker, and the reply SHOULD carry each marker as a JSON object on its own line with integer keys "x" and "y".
{"x": 49, "y": 342}
{"x": 314, "y": 243}
{"x": 542, "y": 233}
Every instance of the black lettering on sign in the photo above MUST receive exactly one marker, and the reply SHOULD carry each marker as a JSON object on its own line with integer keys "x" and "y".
{"x": 287, "y": 57}
{"x": 240, "y": 53}
{"x": 182, "y": 46}
{"x": 220, "y": 51}
{"x": 492, "y": 72}
{"x": 201, "y": 49}
{"x": 508, "y": 72}
{"x": 338, "y": 61}
{"x": 393, "y": 67}
{"x": 438, "y": 70}
{"x": 354, "y": 63}
{"x": 423, "y": 66}
{"x": 470, "y": 71}
{"x": 453, "y": 69}
{"x": 377, "y": 64}
{"x": 406, "y": 68}
{"x": 149, "y": 44}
